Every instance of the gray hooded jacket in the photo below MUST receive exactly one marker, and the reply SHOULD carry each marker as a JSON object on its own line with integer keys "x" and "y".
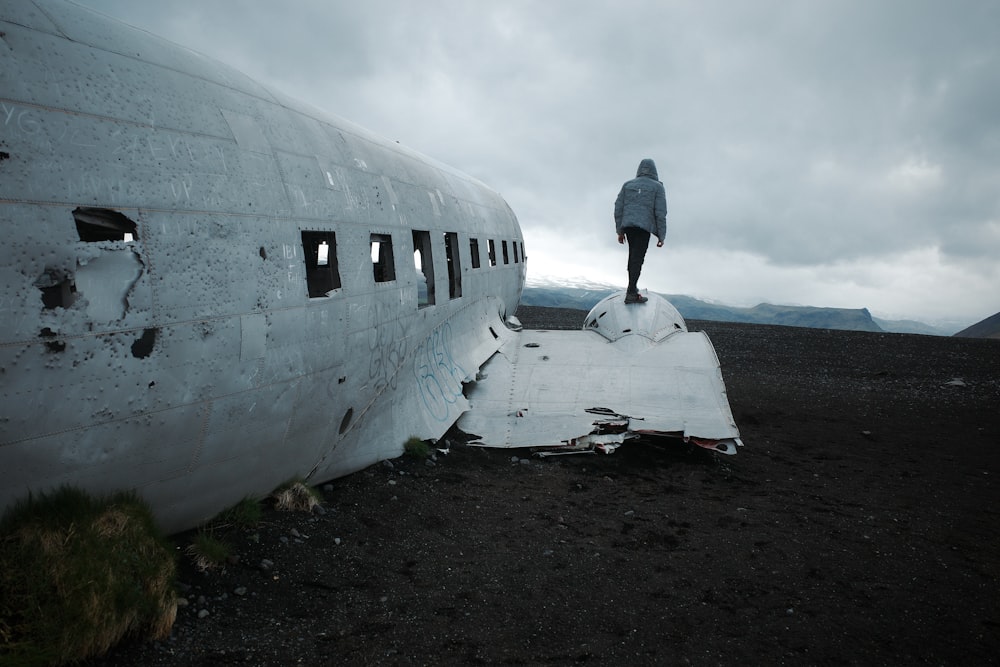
{"x": 642, "y": 202}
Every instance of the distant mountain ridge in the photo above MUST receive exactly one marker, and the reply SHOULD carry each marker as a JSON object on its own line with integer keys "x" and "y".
{"x": 988, "y": 328}
{"x": 584, "y": 297}
{"x": 850, "y": 319}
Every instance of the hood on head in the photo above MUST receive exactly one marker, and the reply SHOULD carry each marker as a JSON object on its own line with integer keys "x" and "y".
{"x": 647, "y": 168}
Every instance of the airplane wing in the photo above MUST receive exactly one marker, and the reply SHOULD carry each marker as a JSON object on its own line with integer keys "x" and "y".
{"x": 632, "y": 370}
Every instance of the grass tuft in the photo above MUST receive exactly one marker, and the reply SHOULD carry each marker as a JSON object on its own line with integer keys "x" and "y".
{"x": 207, "y": 551}
{"x": 245, "y": 514}
{"x": 296, "y": 496}
{"x": 78, "y": 574}
{"x": 417, "y": 448}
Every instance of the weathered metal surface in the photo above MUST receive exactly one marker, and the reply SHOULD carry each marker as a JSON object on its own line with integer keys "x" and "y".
{"x": 633, "y": 370}
{"x": 191, "y": 305}
{"x": 189, "y": 361}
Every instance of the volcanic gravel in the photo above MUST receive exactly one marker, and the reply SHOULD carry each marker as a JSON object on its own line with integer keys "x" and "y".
{"x": 857, "y": 526}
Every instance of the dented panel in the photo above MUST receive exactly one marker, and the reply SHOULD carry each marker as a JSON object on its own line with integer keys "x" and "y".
{"x": 106, "y": 281}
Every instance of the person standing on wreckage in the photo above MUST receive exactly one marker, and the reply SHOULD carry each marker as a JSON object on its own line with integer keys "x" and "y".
{"x": 640, "y": 212}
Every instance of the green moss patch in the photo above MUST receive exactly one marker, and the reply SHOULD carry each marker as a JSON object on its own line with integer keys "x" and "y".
{"x": 417, "y": 448}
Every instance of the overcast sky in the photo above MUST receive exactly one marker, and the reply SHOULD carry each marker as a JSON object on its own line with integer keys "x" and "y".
{"x": 829, "y": 153}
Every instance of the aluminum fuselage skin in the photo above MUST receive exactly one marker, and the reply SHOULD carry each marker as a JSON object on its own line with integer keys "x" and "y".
{"x": 166, "y": 322}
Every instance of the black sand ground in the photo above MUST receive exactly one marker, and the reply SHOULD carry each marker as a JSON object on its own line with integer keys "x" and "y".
{"x": 858, "y": 526}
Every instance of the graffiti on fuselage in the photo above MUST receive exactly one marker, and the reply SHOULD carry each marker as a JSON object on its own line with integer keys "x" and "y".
{"x": 387, "y": 347}
{"x": 438, "y": 375}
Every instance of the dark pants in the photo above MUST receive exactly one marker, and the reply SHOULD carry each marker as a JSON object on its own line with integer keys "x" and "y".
{"x": 638, "y": 242}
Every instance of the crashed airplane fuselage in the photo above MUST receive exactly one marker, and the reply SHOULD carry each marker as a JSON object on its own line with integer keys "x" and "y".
{"x": 209, "y": 289}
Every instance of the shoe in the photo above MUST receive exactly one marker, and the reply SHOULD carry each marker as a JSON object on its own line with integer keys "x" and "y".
{"x": 635, "y": 298}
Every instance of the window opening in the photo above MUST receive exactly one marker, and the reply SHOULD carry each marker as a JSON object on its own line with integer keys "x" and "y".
{"x": 493, "y": 253}
{"x": 506, "y": 257}
{"x": 516, "y": 258}
{"x": 454, "y": 265}
{"x": 474, "y": 251}
{"x": 383, "y": 265}
{"x": 102, "y": 224}
{"x": 423, "y": 261}
{"x": 322, "y": 272}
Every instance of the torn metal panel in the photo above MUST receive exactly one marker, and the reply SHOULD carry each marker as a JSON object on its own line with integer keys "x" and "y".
{"x": 634, "y": 370}
{"x": 106, "y": 280}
